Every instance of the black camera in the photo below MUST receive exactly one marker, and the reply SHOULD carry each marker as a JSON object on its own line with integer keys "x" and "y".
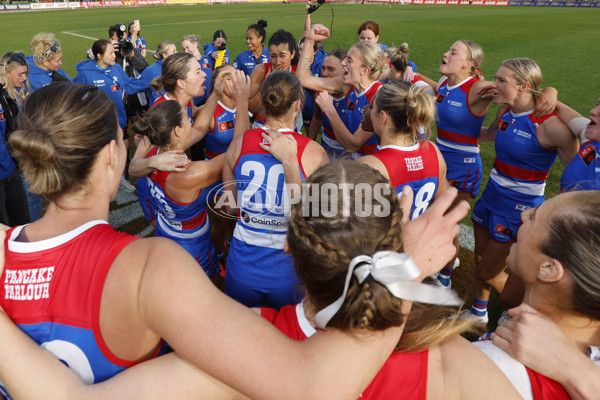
{"x": 312, "y": 8}
{"x": 125, "y": 47}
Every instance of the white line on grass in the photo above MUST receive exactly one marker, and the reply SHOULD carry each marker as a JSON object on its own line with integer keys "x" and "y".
{"x": 76, "y": 34}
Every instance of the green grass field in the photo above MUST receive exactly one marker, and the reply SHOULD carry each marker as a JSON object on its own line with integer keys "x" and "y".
{"x": 564, "y": 41}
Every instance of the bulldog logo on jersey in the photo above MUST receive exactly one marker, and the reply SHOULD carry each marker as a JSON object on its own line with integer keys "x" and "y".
{"x": 503, "y": 125}
{"x": 587, "y": 154}
{"x": 2, "y": 117}
{"x": 502, "y": 229}
{"x": 224, "y": 126}
{"x": 440, "y": 98}
{"x": 114, "y": 88}
{"x": 351, "y": 105}
{"x": 205, "y": 65}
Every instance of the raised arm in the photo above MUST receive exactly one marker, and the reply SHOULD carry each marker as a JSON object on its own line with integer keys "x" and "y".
{"x": 229, "y": 188}
{"x": 239, "y": 88}
{"x": 307, "y": 19}
{"x": 333, "y": 85}
{"x": 204, "y": 117}
{"x": 256, "y": 79}
{"x": 316, "y": 123}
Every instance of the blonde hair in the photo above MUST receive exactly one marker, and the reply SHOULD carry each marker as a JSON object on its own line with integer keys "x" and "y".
{"x": 323, "y": 247}
{"x": 409, "y": 107}
{"x": 191, "y": 38}
{"x": 475, "y": 54}
{"x": 8, "y": 62}
{"x": 162, "y": 48}
{"x": 62, "y": 128}
{"x": 525, "y": 70}
{"x": 41, "y": 44}
{"x": 374, "y": 58}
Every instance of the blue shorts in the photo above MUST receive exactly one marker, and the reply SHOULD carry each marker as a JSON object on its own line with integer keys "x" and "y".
{"x": 252, "y": 296}
{"x": 500, "y": 228}
{"x": 464, "y": 171}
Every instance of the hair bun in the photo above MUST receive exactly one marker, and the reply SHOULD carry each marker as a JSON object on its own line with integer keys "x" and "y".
{"x": 262, "y": 22}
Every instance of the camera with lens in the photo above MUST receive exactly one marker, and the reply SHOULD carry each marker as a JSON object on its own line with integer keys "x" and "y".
{"x": 122, "y": 45}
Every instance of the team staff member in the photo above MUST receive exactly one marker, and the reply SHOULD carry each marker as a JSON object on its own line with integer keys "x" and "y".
{"x": 44, "y": 65}
{"x": 258, "y": 270}
{"x": 256, "y": 53}
{"x": 104, "y": 73}
{"x": 14, "y": 208}
{"x": 209, "y": 60}
{"x": 211, "y": 49}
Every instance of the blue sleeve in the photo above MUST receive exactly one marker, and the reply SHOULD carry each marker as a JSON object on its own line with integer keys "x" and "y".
{"x": 238, "y": 63}
{"x": 413, "y": 65}
{"x": 80, "y": 77}
{"x": 140, "y": 84}
{"x": 207, "y": 63}
{"x": 130, "y": 85}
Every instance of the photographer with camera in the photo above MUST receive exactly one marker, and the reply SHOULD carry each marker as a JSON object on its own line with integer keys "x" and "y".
{"x": 133, "y": 63}
{"x": 107, "y": 75}
{"x": 215, "y": 55}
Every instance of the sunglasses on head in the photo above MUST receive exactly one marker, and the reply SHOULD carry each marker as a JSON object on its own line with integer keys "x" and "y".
{"x": 52, "y": 49}
{"x": 19, "y": 57}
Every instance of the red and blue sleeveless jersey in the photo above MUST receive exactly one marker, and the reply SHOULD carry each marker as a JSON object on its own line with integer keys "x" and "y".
{"x": 166, "y": 97}
{"x": 411, "y": 366}
{"x": 185, "y": 223}
{"x": 328, "y": 140}
{"x": 458, "y": 127}
{"x": 416, "y": 166}
{"x": 518, "y": 176}
{"x": 256, "y": 254}
{"x": 53, "y": 290}
{"x": 217, "y": 140}
{"x": 583, "y": 173}
{"x": 356, "y": 103}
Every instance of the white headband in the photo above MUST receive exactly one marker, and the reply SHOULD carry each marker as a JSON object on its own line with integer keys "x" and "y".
{"x": 395, "y": 271}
